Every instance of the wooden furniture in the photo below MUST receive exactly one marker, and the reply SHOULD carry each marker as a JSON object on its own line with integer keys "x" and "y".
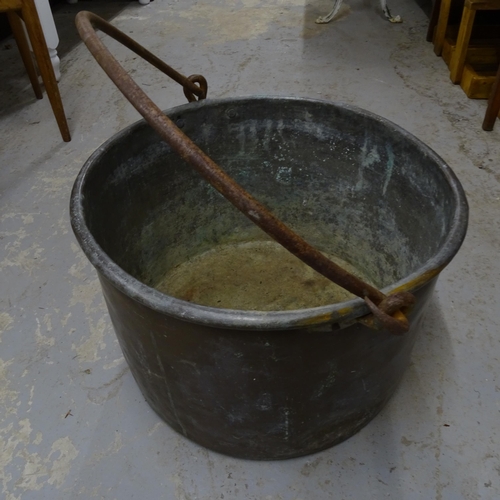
{"x": 472, "y": 52}
{"x": 493, "y": 109}
{"x": 26, "y": 10}
{"x": 441, "y": 10}
{"x": 468, "y": 16}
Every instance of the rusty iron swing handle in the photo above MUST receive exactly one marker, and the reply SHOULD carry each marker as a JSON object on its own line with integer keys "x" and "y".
{"x": 387, "y": 311}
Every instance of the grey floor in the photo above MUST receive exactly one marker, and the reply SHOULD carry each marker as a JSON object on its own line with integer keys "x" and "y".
{"x": 73, "y": 423}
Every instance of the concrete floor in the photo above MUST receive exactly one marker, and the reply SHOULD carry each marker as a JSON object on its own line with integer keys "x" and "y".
{"x": 73, "y": 423}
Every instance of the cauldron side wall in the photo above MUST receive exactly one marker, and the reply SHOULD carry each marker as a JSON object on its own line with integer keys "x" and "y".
{"x": 263, "y": 394}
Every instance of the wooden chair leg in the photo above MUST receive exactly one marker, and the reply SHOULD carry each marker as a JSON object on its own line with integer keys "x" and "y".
{"x": 442, "y": 24}
{"x": 458, "y": 60}
{"x": 436, "y": 7}
{"x": 24, "y": 49}
{"x": 32, "y": 21}
{"x": 493, "y": 108}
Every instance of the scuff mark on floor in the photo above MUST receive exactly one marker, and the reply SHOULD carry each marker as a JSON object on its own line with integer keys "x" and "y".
{"x": 107, "y": 391}
{"x": 88, "y": 350}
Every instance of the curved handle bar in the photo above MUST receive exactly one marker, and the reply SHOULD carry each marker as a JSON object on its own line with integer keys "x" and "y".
{"x": 386, "y": 310}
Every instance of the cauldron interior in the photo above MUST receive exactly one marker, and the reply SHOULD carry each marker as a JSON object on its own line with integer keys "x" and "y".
{"x": 342, "y": 180}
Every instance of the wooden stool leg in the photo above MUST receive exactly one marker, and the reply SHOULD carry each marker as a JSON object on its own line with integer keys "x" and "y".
{"x": 24, "y": 49}
{"x": 493, "y": 108}
{"x": 458, "y": 60}
{"x": 30, "y": 17}
{"x": 442, "y": 24}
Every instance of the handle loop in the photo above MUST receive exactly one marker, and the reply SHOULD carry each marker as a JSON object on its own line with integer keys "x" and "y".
{"x": 386, "y": 311}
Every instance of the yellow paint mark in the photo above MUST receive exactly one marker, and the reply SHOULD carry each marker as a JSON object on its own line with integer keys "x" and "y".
{"x": 419, "y": 281}
{"x": 322, "y": 318}
{"x": 6, "y": 322}
{"x": 414, "y": 284}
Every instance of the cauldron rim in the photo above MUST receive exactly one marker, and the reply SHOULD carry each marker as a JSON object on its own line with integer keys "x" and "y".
{"x": 344, "y": 312}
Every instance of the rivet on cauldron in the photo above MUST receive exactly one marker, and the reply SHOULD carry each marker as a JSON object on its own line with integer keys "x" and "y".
{"x": 231, "y": 113}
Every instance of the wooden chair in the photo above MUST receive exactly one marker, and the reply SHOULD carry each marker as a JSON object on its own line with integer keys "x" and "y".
{"x": 464, "y": 33}
{"x": 493, "y": 108}
{"x": 26, "y": 10}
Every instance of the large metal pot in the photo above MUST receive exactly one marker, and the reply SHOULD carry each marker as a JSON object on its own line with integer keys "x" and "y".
{"x": 279, "y": 384}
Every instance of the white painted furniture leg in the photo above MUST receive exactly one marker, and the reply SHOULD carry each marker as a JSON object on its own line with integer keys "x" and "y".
{"x": 56, "y": 63}
{"x": 326, "y": 19}
{"x": 50, "y": 33}
{"x": 387, "y": 13}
